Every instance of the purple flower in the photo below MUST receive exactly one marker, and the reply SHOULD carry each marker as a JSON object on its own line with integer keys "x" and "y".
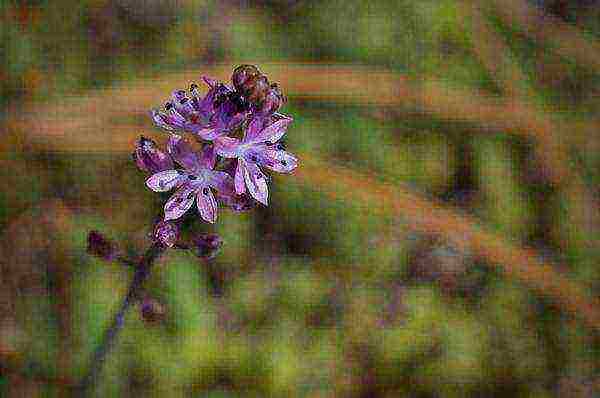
{"x": 166, "y": 233}
{"x": 210, "y": 117}
{"x": 259, "y": 147}
{"x": 192, "y": 183}
{"x": 149, "y": 158}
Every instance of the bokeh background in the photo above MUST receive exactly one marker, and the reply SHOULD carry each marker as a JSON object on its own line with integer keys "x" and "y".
{"x": 439, "y": 239}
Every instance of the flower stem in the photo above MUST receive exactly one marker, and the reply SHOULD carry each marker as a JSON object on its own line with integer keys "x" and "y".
{"x": 141, "y": 274}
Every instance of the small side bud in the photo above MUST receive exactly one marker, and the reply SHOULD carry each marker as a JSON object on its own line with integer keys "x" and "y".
{"x": 149, "y": 158}
{"x": 152, "y": 310}
{"x": 273, "y": 100}
{"x": 100, "y": 246}
{"x": 166, "y": 233}
{"x": 207, "y": 246}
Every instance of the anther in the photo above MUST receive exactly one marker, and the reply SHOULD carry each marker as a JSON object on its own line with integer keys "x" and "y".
{"x": 205, "y": 191}
{"x": 168, "y": 106}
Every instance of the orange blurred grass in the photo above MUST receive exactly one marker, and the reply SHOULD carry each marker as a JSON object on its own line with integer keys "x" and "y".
{"x": 122, "y": 108}
{"x": 564, "y": 39}
{"x": 109, "y": 121}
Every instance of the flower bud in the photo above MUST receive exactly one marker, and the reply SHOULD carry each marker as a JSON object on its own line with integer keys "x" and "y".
{"x": 207, "y": 245}
{"x": 242, "y": 74}
{"x": 149, "y": 158}
{"x": 152, "y": 310}
{"x": 273, "y": 100}
{"x": 166, "y": 233}
{"x": 237, "y": 203}
{"x": 100, "y": 246}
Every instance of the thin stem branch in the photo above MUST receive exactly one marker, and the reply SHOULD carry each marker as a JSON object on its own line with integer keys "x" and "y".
{"x": 141, "y": 274}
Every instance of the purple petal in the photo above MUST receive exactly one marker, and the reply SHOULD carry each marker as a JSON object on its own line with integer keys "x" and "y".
{"x": 149, "y": 158}
{"x": 271, "y": 133}
{"x": 254, "y": 128}
{"x": 222, "y": 182}
{"x": 211, "y": 132}
{"x": 227, "y": 146}
{"x": 240, "y": 185}
{"x": 207, "y": 205}
{"x": 210, "y": 82}
{"x": 163, "y": 121}
{"x": 179, "y": 203}
{"x": 280, "y": 161}
{"x": 208, "y": 157}
{"x": 182, "y": 152}
{"x": 256, "y": 182}
{"x": 165, "y": 180}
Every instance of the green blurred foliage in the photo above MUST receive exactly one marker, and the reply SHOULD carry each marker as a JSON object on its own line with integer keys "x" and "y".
{"x": 311, "y": 296}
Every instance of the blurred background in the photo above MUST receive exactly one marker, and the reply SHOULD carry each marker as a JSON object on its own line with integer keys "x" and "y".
{"x": 439, "y": 239}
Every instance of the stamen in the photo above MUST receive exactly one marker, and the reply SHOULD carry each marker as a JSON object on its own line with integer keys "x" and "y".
{"x": 168, "y": 106}
{"x": 205, "y": 191}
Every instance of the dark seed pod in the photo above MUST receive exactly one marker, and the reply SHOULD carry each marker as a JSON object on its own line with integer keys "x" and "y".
{"x": 100, "y": 246}
{"x": 207, "y": 246}
{"x": 152, "y": 310}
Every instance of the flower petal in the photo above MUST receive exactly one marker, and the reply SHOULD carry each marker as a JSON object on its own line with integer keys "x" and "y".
{"x": 256, "y": 182}
{"x": 163, "y": 121}
{"x": 227, "y": 146}
{"x": 255, "y": 126}
{"x": 271, "y": 133}
{"x": 179, "y": 203}
{"x": 222, "y": 182}
{"x": 208, "y": 157}
{"x": 165, "y": 180}
{"x": 207, "y": 205}
{"x": 240, "y": 185}
{"x": 280, "y": 161}
{"x": 182, "y": 152}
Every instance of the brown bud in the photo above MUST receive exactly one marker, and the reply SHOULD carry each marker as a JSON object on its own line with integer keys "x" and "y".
{"x": 242, "y": 74}
{"x": 100, "y": 246}
{"x": 166, "y": 233}
{"x": 152, "y": 310}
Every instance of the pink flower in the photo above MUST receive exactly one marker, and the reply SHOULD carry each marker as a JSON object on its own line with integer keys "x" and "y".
{"x": 259, "y": 147}
{"x": 209, "y": 117}
{"x": 194, "y": 183}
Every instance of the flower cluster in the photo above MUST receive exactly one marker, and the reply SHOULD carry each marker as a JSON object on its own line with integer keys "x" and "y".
{"x": 238, "y": 130}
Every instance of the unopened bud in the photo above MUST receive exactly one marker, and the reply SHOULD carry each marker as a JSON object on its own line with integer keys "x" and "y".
{"x": 166, "y": 233}
{"x": 100, "y": 246}
{"x": 242, "y": 74}
{"x": 149, "y": 158}
{"x": 207, "y": 245}
{"x": 238, "y": 203}
{"x": 152, "y": 310}
{"x": 273, "y": 100}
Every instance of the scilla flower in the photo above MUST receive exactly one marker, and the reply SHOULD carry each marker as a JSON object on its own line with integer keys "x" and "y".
{"x": 259, "y": 147}
{"x": 194, "y": 183}
{"x": 209, "y": 117}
